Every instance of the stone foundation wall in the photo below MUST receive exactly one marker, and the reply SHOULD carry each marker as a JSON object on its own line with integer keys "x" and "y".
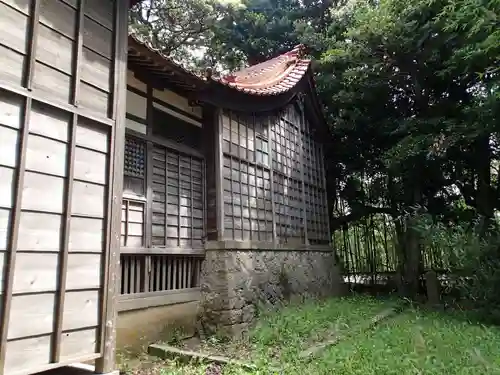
{"x": 235, "y": 282}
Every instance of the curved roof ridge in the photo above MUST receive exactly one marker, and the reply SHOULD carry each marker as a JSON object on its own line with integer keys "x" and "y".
{"x": 271, "y": 77}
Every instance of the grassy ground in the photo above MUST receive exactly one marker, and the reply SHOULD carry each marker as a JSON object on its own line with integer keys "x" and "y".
{"x": 413, "y": 342}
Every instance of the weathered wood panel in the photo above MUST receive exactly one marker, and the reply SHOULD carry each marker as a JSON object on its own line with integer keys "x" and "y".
{"x": 88, "y": 199}
{"x": 9, "y": 140}
{"x": 94, "y": 99}
{"x": 13, "y": 63}
{"x": 53, "y": 193}
{"x": 10, "y": 110}
{"x": 4, "y": 226}
{"x": 37, "y": 309}
{"x": 52, "y": 82}
{"x": 78, "y": 343}
{"x": 41, "y": 232}
{"x": 136, "y": 104}
{"x": 101, "y": 12}
{"x": 136, "y": 126}
{"x": 13, "y": 24}
{"x": 97, "y": 38}
{"x": 46, "y": 156}
{"x": 6, "y": 180}
{"x": 12, "y": 58}
{"x": 39, "y": 185}
{"x": 96, "y": 70}
{"x": 27, "y": 354}
{"x": 49, "y": 122}
{"x": 86, "y": 234}
{"x": 90, "y": 166}
{"x": 22, "y": 6}
{"x": 92, "y": 135}
{"x": 81, "y": 310}
{"x": 58, "y": 16}
{"x": 84, "y": 271}
{"x": 54, "y": 49}
{"x": 35, "y": 273}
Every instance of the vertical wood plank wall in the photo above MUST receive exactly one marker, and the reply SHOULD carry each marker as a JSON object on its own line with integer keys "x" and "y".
{"x": 58, "y": 112}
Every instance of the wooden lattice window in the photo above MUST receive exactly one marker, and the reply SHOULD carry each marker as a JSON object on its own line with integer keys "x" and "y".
{"x": 286, "y": 152}
{"x": 132, "y": 229}
{"x": 134, "y": 171}
{"x": 135, "y": 156}
{"x": 178, "y": 199}
{"x": 247, "y": 201}
{"x": 315, "y": 189}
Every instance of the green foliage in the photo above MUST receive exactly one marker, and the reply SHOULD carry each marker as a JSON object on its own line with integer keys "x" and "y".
{"x": 410, "y": 88}
{"x": 472, "y": 260}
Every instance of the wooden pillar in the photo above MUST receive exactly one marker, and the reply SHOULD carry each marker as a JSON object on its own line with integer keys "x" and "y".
{"x": 214, "y": 194}
{"x": 14, "y": 232}
{"x": 272, "y": 135}
{"x": 106, "y": 363}
{"x": 302, "y": 129}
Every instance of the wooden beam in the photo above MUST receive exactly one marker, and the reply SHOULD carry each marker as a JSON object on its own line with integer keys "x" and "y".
{"x": 70, "y": 162}
{"x": 166, "y": 143}
{"x": 328, "y": 213}
{"x": 63, "y": 256}
{"x": 13, "y": 235}
{"x": 302, "y": 128}
{"x": 153, "y": 299}
{"x": 106, "y": 363}
{"x": 219, "y": 164}
{"x": 149, "y": 169}
{"x": 271, "y": 177}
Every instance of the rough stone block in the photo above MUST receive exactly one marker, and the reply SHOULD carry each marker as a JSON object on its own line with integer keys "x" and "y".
{"x": 235, "y": 281}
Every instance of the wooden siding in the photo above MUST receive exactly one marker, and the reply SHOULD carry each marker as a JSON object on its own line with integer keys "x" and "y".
{"x": 273, "y": 180}
{"x": 163, "y": 212}
{"x": 60, "y": 69}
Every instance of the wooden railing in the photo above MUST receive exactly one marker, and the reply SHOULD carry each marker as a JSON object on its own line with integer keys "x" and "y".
{"x": 149, "y": 280}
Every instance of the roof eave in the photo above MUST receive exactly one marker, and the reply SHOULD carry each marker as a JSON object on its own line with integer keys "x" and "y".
{"x": 157, "y": 66}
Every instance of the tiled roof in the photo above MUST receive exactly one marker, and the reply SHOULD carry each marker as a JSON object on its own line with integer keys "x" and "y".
{"x": 271, "y": 77}
{"x": 143, "y": 54}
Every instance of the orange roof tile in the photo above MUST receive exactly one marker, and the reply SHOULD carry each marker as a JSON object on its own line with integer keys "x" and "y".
{"x": 271, "y": 77}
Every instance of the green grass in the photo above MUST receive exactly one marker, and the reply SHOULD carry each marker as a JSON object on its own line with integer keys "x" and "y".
{"x": 283, "y": 335}
{"x": 413, "y": 342}
{"x": 418, "y": 342}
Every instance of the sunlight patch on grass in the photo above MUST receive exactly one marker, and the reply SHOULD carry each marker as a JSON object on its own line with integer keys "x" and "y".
{"x": 282, "y": 335}
{"x": 417, "y": 342}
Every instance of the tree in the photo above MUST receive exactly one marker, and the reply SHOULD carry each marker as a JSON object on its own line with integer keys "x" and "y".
{"x": 261, "y": 29}
{"x": 179, "y": 29}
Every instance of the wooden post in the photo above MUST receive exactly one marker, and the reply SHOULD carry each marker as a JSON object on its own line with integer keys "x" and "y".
{"x": 219, "y": 164}
{"x": 106, "y": 363}
{"x": 433, "y": 288}
{"x": 272, "y": 135}
{"x": 13, "y": 236}
{"x": 302, "y": 127}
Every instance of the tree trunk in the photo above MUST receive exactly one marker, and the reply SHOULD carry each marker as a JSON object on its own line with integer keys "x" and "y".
{"x": 485, "y": 205}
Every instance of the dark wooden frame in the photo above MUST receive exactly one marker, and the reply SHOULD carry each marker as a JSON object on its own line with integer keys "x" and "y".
{"x": 105, "y": 356}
